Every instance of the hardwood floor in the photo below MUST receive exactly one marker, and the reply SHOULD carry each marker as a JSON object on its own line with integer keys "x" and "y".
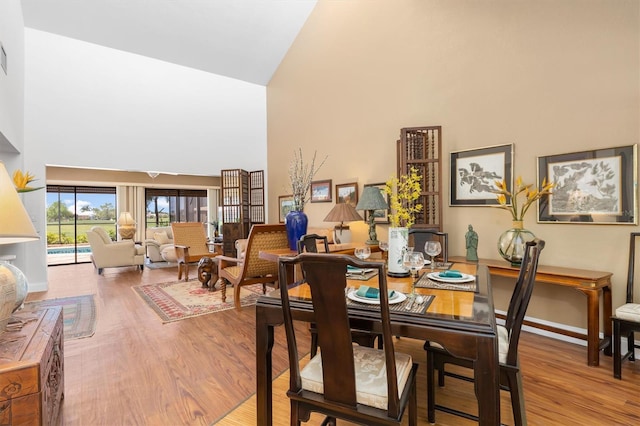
{"x": 137, "y": 371}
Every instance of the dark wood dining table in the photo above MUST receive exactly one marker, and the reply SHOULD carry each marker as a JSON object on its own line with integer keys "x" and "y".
{"x": 462, "y": 321}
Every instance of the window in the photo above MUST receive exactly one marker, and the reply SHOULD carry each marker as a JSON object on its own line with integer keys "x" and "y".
{"x": 175, "y": 205}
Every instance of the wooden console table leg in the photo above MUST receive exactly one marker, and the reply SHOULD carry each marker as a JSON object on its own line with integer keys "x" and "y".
{"x": 593, "y": 325}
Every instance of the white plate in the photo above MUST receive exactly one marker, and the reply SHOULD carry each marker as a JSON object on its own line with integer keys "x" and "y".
{"x": 464, "y": 279}
{"x": 397, "y": 298}
{"x": 427, "y": 262}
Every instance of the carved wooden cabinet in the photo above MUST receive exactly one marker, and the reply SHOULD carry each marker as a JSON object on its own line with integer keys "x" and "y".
{"x": 421, "y": 147}
{"x": 32, "y": 370}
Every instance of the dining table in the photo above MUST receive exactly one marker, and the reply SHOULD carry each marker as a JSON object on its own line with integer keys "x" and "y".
{"x": 460, "y": 318}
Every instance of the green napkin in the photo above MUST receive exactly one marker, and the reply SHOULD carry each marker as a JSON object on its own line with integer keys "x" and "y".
{"x": 371, "y": 292}
{"x": 451, "y": 274}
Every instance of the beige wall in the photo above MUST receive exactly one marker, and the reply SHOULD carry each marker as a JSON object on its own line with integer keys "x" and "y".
{"x": 551, "y": 77}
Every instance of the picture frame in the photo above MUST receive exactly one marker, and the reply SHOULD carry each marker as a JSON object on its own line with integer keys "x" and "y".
{"x": 285, "y": 203}
{"x": 591, "y": 187}
{"x": 379, "y": 216}
{"x": 347, "y": 193}
{"x": 474, "y": 172}
{"x": 321, "y": 191}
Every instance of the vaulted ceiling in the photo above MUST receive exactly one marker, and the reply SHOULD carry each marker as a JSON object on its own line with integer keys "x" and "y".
{"x": 241, "y": 39}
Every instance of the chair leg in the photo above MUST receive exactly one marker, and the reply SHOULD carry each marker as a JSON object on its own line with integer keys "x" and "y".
{"x": 413, "y": 405}
{"x": 517, "y": 400}
{"x": 617, "y": 354}
{"x": 180, "y": 266}
{"x": 631, "y": 346}
{"x": 431, "y": 389}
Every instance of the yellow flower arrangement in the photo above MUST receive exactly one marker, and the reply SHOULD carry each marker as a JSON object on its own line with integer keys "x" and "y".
{"x": 517, "y": 214}
{"x": 403, "y": 193}
{"x": 22, "y": 180}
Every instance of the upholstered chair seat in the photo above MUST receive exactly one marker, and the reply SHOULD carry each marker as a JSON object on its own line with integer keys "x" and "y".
{"x": 371, "y": 375}
{"x": 629, "y": 312}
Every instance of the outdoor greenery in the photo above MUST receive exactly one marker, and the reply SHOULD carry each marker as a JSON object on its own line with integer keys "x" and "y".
{"x": 58, "y": 211}
{"x": 63, "y": 232}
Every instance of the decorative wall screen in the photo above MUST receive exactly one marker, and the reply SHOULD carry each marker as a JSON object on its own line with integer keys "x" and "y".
{"x": 421, "y": 147}
{"x": 242, "y": 205}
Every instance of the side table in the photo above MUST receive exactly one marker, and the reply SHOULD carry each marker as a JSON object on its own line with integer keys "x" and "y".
{"x": 32, "y": 369}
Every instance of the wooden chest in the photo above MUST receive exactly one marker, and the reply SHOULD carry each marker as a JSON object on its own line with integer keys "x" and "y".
{"x": 32, "y": 369}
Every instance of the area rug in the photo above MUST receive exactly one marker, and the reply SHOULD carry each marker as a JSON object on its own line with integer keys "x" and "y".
{"x": 78, "y": 314}
{"x": 178, "y": 300}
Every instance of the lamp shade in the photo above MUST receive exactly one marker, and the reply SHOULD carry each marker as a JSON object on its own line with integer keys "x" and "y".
{"x": 15, "y": 224}
{"x": 371, "y": 199}
{"x": 342, "y": 212}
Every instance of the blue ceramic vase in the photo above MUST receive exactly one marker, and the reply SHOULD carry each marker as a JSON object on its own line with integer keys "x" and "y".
{"x": 296, "y": 223}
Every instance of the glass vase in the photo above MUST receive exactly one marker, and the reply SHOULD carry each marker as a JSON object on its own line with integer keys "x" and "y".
{"x": 512, "y": 243}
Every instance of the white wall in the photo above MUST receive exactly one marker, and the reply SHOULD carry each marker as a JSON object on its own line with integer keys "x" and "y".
{"x": 12, "y": 83}
{"x": 92, "y": 106}
{"x": 12, "y": 104}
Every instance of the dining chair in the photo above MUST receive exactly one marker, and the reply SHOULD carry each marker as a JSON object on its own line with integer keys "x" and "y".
{"x": 309, "y": 243}
{"x": 346, "y": 381}
{"x": 252, "y": 269}
{"x": 626, "y": 319}
{"x": 508, "y": 337}
{"x": 419, "y": 236}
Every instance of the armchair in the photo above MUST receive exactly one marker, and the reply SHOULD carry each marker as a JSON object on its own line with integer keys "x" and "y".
{"x": 159, "y": 244}
{"x": 106, "y": 253}
{"x": 251, "y": 269}
{"x": 191, "y": 245}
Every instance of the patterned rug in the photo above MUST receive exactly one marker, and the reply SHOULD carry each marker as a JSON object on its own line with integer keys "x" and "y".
{"x": 178, "y": 300}
{"x": 78, "y": 314}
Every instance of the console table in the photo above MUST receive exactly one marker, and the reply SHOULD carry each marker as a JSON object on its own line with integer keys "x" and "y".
{"x": 593, "y": 284}
{"x": 32, "y": 369}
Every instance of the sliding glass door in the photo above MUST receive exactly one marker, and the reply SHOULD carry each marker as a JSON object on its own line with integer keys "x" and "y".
{"x": 71, "y": 211}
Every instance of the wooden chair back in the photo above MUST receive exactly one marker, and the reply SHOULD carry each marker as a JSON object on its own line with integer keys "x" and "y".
{"x": 631, "y": 269}
{"x": 309, "y": 243}
{"x": 193, "y": 236}
{"x": 521, "y": 296}
{"x": 263, "y": 237}
{"x": 326, "y": 276}
{"x": 419, "y": 236}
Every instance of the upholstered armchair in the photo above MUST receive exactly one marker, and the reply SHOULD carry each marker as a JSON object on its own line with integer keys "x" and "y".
{"x": 159, "y": 244}
{"x": 106, "y": 253}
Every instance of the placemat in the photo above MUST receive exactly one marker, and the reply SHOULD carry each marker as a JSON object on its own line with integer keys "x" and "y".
{"x": 425, "y": 282}
{"x": 361, "y": 277}
{"x": 416, "y": 308}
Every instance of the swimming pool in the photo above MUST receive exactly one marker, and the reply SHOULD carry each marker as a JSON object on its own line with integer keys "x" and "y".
{"x": 68, "y": 250}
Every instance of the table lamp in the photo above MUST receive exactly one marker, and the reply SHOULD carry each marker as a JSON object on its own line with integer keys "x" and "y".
{"x": 15, "y": 227}
{"x": 126, "y": 226}
{"x": 342, "y": 212}
{"x": 372, "y": 200}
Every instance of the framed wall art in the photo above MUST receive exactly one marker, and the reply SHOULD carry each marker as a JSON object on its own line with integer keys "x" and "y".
{"x": 321, "y": 191}
{"x": 379, "y": 216}
{"x": 597, "y": 186}
{"x": 285, "y": 202}
{"x": 474, "y": 172}
{"x": 347, "y": 193}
